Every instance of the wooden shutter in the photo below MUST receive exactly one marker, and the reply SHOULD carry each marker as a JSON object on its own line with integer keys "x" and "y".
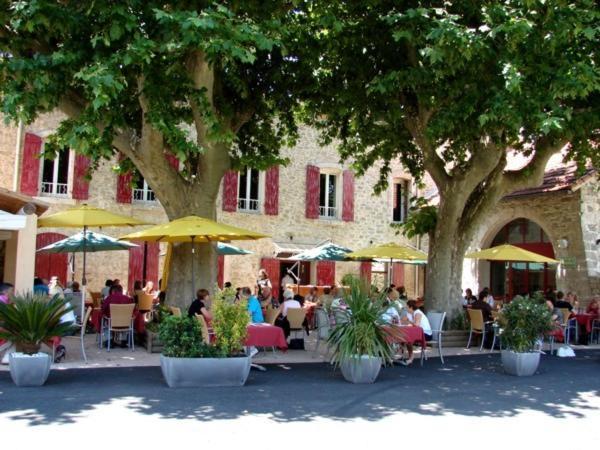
{"x": 172, "y": 160}
{"x": 398, "y": 274}
{"x": 348, "y": 200}
{"x": 30, "y": 168}
{"x": 80, "y": 183}
{"x": 366, "y": 271}
{"x": 271, "y": 266}
{"x": 50, "y": 264}
{"x": 230, "y": 191}
{"x": 313, "y": 181}
{"x": 220, "y": 271}
{"x": 325, "y": 273}
{"x": 272, "y": 191}
{"x": 136, "y": 264}
{"x": 124, "y": 192}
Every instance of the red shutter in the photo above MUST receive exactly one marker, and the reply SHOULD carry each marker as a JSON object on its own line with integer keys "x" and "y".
{"x": 124, "y": 188}
{"x": 348, "y": 200}
{"x": 272, "y": 191}
{"x": 50, "y": 264}
{"x": 80, "y": 183}
{"x": 325, "y": 273}
{"x": 220, "y": 271}
{"x": 136, "y": 264}
{"x": 230, "y": 191}
{"x": 30, "y": 169}
{"x": 313, "y": 181}
{"x": 172, "y": 160}
{"x": 398, "y": 274}
{"x": 365, "y": 271}
{"x": 271, "y": 266}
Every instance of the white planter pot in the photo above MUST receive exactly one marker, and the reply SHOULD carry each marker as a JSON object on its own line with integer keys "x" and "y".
{"x": 205, "y": 372}
{"x": 520, "y": 364}
{"x": 363, "y": 369}
{"x": 29, "y": 370}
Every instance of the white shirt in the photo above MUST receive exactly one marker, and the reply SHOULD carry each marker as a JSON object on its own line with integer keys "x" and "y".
{"x": 490, "y": 300}
{"x": 290, "y": 304}
{"x": 391, "y": 315}
{"x": 424, "y": 322}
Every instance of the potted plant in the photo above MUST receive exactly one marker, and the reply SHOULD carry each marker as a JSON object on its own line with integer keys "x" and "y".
{"x": 362, "y": 343}
{"x": 522, "y": 323}
{"x": 28, "y": 321}
{"x": 187, "y": 361}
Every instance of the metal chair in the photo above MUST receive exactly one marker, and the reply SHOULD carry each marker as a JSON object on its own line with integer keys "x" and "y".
{"x": 323, "y": 326}
{"x": 569, "y": 324}
{"x": 120, "y": 321}
{"x": 595, "y": 331}
{"x": 478, "y": 326}
{"x": 436, "y": 320}
{"x": 81, "y": 325}
{"x": 272, "y": 314}
{"x": 295, "y": 317}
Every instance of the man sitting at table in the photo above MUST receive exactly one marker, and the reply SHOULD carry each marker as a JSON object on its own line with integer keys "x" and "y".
{"x": 485, "y": 308}
{"x": 115, "y": 297}
{"x": 254, "y": 308}
{"x": 562, "y": 303}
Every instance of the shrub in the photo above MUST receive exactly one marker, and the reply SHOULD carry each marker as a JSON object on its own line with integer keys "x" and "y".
{"x": 182, "y": 338}
{"x": 523, "y": 321}
{"x": 32, "y": 319}
{"x": 230, "y": 322}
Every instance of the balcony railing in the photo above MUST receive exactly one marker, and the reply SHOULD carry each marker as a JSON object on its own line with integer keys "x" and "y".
{"x": 246, "y": 204}
{"x": 143, "y": 196}
{"x": 328, "y": 212}
{"x": 55, "y": 189}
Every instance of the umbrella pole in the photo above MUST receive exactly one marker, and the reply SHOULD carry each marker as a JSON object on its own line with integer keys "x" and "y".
{"x": 83, "y": 279}
{"x": 144, "y": 274}
{"x": 193, "y": 280}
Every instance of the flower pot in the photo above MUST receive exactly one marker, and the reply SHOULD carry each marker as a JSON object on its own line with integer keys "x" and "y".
{"x": 363, "y": 369}
{"x": 205, "y": 372}
{"x": 520, "y": 364}
{"x": 29, "y": 370}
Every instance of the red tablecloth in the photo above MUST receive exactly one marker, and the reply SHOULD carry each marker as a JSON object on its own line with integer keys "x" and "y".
{"x": 139, "y": 324}
{"x": 585, "y": 320}
{"x": 411, "y": 335}
{"x": 265, "y": 335}
{"x": 558, "y": 334}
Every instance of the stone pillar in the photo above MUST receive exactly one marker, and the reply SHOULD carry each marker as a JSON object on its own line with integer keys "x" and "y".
{"x": 19, "y": 268}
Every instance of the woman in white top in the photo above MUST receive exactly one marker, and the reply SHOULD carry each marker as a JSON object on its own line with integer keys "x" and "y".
{"x": 419, "y": 319}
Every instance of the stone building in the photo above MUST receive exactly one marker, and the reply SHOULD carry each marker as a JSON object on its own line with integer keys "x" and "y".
{"x": 311, "y": 200}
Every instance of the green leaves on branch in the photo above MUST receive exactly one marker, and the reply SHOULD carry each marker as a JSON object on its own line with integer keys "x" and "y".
{"x": 422, "y": 219}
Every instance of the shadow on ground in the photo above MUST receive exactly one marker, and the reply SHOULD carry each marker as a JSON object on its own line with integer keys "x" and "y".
{"x": 469, "y": 386}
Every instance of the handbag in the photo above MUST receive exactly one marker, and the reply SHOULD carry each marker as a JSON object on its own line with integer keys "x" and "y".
{"x": 296, "y": 344}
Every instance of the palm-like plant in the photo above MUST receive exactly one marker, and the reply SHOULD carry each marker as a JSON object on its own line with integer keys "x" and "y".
{"x": 29, "y": 320}
{"x": 363, "y": 332}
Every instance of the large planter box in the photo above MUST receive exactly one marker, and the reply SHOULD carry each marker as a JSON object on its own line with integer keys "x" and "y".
{"x": 361, "y": 370}
{"x": 520, "y": 364}
{"x": 205, "y": 372}
{"x": 152, "y": 343}
{"x": 29, "y": 370}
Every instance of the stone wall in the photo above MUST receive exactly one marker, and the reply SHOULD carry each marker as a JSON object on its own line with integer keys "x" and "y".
{"x": 590, "y": 225}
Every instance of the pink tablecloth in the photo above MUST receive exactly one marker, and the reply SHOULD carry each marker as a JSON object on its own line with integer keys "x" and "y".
{"x": 558, "y": 334}
{"x": 265, "y": 335}
{"x": 411, "y": 335}
{"x": 139, "y": 324}
{"x": 585, "y": 320}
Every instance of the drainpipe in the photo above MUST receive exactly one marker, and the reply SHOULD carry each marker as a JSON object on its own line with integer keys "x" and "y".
{"x": 18, "y": 147}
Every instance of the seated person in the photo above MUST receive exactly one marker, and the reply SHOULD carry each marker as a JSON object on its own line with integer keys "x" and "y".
{"x": 594, "y": 307}
{"x": 198, "y": 306}
{"x": 311, "y": 298}
{"x": 469, "y": 298}
{"x": 106, "y": 289}
{"x": 137, "y": 291}
{"x": 266, "y": 297}
{"x": 40, "y": 286}
{"x": 557, "y": 315}
{"x": 485, "y": 307}
{"x": 419, "y": 319}
{"x": 116, "y": 297}
{"x": 561, "y": 302}
{"x": 254, "y": 307}
{"x": 391, "y": 315}
{"x": 288, "y": 303}
{"x": 326, "y": 299}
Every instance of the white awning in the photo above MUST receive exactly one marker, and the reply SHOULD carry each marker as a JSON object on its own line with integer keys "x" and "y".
{"x": 10, "y": 221}
{"x": 284, "y": 250}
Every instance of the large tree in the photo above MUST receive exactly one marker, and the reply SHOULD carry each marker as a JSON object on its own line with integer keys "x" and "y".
{"x": 208, "y": 82}
{"x": 449, "y": 88}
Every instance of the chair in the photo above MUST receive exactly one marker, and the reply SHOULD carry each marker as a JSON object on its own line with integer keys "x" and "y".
{"x": 176, "y": 311}
{"x": 81, "y": 325}
{"x": 204, "y": 326}
{"x": 120, "y": 321}
{"x": 436, "y": 320}
{"x": 272, "y": 314}
{"x": 595, "y": 331}
{"x": 478, "y": 326}
{"x": 74, "y": 298}
{"x": 323, "y": 326}
{"x": 295, "y": 317}
{"x": 569, "y": 324}
{"x": 96, "y": 299}
{"x": 145, "y": 302}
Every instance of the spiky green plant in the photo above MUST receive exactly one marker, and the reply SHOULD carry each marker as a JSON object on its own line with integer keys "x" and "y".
{"x": 29, "y": 320}
{"x": 363, "y": 332}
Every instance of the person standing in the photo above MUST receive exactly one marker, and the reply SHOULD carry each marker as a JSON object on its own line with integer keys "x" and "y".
{"x": 287, "y": 281}
{"x": 55, "y": 288}
{"x": 263, "y": 281}
{"x": 40, "y": 286}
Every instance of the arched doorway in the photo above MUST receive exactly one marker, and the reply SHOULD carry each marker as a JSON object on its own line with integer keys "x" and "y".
{"x": 50, "y": 264}
{"x": 513, "y": 278}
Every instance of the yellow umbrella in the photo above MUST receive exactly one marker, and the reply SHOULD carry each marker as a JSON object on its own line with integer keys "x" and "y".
{"x": 389, "y": 251}
{"x": 509, "y": 252}
{"x": 193, "y": 229}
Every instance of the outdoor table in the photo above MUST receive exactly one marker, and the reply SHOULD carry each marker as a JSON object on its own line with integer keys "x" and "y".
{"x": 411, "y": 335}
{"x": 265, "y": 335}
{"x": 585, "y": 320}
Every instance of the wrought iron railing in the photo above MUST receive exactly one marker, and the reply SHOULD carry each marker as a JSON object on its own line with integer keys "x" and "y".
{"x": 55, "y": 189}
{"x": 246, "y": 204}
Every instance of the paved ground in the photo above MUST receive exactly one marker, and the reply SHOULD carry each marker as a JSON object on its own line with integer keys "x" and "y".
{"x": 468, "y": 402}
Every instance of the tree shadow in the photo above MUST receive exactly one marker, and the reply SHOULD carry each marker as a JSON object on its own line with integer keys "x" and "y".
{"x": 465, "y": 385}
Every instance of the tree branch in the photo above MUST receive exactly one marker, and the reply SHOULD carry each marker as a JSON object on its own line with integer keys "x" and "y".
{"x": 203, "y": 78}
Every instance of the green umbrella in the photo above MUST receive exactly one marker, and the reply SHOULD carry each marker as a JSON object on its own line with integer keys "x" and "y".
{"x": 92, "y": 242}
{"x": 325, "y": 252}
{"x": 228, "y": 249}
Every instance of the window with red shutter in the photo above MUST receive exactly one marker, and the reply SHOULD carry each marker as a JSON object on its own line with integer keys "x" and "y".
{"x": 220, "y": 271}
{"x": 325, "y": 273}
{"x": 272, "y": 267}
{"x": 48, "y": 265}
{"x": 348, "y": 200}
{"x": 398, "y": 274}
{"x": 230, "y": 191}
{"x": 312, "y": 192}
{"x": 30, "y": 167}
{"x": 80, "y": 182}
{"x": 366, "y": 268}
{"x": 272, "y": 191}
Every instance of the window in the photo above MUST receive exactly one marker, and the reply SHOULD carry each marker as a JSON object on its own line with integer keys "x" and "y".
{"x": 55, "y": 174}
{"x": 142, "y": 192}
{"x": 328, "y": 196}
{"x": 248, "y": 190}
{"x": 400, "y": 204}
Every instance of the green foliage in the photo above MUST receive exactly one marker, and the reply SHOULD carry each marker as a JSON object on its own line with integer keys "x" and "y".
{"x": 459, "y": 322}
{"x": 227, "y": 294}
{"x": 421, "y": 220}
{"x": 349, "y": 278}
{"x": 230, "y": 322}
{"x": 523, "y": 321}
{"x": 159, "y": 314}
{"x": 182, "y": 338}
{"x": 33, "y": 319}
{"x": 363, "y": 332}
